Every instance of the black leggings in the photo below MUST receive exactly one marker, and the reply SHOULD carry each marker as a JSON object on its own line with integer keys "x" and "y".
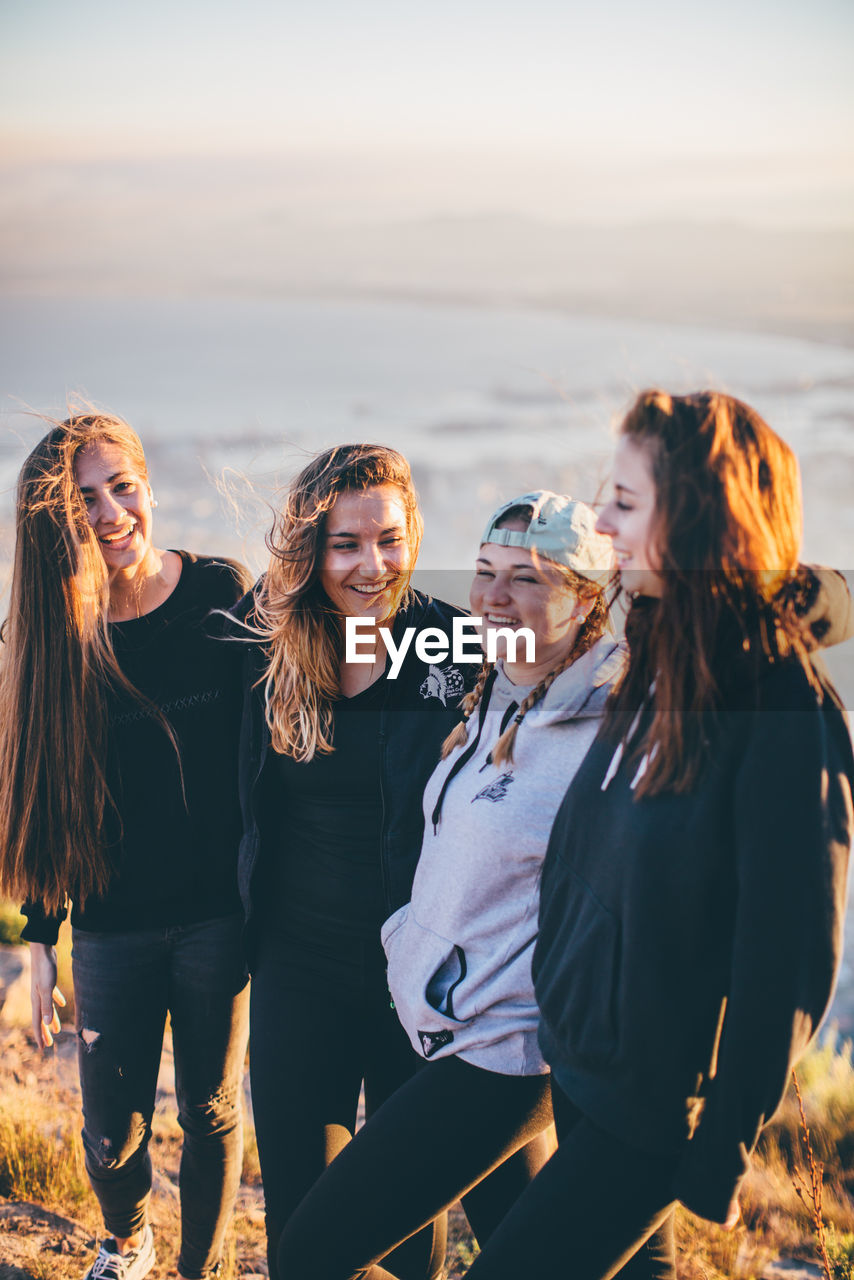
{"x": 321, "y": 1024}
{"x": 596, "y": 1204}
{"x": 428, "y": 1145}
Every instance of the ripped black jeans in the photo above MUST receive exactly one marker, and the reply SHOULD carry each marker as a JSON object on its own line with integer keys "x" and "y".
{"x": 124, "y": 985}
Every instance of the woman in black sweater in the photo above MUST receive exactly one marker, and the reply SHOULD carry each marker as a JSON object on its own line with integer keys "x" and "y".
{"x": 694, "y": 887}
{"x": 119, "y": 718}
{"x": 334, "y": 758}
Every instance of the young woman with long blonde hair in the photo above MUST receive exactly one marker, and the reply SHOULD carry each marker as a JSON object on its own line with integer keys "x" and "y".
{"x": 335, "y": 756}
{"x": 119, "y": 717}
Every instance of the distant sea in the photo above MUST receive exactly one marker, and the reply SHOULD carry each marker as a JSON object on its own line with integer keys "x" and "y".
{"x": 480, "y": 399}
{"x": 487, "y": 403}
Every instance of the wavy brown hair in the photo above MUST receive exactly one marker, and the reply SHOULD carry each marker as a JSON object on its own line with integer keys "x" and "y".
{"x": 726, "y": 534}
{"x": 301, "y": 629}
{"x": 56, "y": 670}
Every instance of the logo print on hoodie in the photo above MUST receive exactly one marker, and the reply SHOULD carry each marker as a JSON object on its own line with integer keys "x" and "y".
{"x": 496, "y": 790}
{"x": 433, "y": 1041}
{"x": 443, "y": 684}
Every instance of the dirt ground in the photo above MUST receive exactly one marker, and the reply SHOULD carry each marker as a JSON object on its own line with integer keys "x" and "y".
{"x": 39, "y": 1242}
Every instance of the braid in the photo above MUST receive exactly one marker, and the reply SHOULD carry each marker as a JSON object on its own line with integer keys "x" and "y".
{"x": 502, "y": 752}
{"x": 457, "y": 736}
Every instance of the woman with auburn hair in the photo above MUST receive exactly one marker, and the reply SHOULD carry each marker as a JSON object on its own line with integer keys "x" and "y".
{"x": 334, "y": 758}
{"x": 119, "y": 718}
{"x": 694, "y": 886}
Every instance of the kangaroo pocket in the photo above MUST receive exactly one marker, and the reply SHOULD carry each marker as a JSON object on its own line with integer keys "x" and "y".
{"x": 578, "y": 976}
{"x": 445, "y": 981}
{"x": 425, "y": 971}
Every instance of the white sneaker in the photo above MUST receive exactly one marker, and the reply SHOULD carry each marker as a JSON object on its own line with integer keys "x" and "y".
{"x": 112, "y": 1265}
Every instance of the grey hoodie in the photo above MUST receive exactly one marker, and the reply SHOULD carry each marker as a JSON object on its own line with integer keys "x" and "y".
{"x": 459, "y": 954}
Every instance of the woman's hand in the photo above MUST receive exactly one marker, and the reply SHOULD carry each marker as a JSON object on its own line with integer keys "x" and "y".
{"x": 733, "y": 1215}
{"x": 45, "y": 994}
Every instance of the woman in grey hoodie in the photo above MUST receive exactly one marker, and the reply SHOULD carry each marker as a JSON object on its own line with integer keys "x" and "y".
{"x": 459, "y": 952}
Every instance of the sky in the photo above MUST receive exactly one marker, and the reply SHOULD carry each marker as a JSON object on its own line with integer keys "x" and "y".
{"x": 609, "y": 112}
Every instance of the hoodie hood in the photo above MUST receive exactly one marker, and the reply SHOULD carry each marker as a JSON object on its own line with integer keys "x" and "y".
{"x": 582, "y": 690}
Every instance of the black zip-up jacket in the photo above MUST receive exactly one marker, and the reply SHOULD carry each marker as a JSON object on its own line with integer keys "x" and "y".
{"x": 421, "y": 708}
{"x": 689, "y": 944}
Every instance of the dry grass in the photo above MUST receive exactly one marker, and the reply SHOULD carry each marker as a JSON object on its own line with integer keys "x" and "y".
{"x": 11, "y": 923}
{"x": 775, "y": 1221}
{"x": 41, "y": 1160}
{"x": 60, "y": 1183}
{"x": 251, "y": 1173}
{"x": 840, "y": 1247}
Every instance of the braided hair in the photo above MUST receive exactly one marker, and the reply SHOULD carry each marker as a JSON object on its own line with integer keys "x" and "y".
{"x": 457, "y": 736}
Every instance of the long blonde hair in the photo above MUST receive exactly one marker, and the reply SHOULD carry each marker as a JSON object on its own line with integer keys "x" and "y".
{"x": 300, "y": 628}
{"x": 57, "y": 668}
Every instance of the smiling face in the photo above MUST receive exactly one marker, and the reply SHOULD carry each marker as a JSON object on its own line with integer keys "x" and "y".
{"x": 366, "y": 552}
{"x": 629, "y": 520}
{"x": 512, "y": 588}
{"x": 118, "y": 504}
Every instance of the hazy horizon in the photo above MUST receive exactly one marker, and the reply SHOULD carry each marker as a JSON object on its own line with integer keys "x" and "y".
{"x": 671, "y": 161}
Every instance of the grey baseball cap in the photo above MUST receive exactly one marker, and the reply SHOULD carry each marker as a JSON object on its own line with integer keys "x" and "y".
{"x": 561, "y": 529}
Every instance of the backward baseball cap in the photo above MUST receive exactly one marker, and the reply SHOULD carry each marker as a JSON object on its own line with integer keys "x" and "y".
{"x": 561, "y": 529}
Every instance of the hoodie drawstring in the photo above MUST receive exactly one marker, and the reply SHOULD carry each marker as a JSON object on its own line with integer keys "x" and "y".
{"x": 466, "y": 755}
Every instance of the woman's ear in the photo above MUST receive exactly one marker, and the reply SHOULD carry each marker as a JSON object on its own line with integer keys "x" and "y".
{"x": 583, "y": 608}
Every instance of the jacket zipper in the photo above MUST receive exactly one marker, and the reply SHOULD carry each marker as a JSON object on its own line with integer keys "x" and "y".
{"x": 262, "y": 737}
{"x": 384, "y": 871}
{"x": 403, "y": 617}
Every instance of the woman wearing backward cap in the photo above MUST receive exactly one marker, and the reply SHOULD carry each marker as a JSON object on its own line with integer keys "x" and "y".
{"x": 459, "y": 953}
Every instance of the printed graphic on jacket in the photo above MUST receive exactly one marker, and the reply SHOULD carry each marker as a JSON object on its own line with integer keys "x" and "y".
{"x": 433, "y": 1041}
{"x": 496, "y": 790}
{"x": 443, "y": 683}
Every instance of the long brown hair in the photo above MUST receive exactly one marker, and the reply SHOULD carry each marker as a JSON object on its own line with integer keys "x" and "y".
{"x": 57, "y": 668}
{"x": 726, "y": 534}
{"x": 301, "y": 629}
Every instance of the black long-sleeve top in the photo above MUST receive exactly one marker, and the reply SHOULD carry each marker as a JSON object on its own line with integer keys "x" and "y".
{"x": 175, "y": 831}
